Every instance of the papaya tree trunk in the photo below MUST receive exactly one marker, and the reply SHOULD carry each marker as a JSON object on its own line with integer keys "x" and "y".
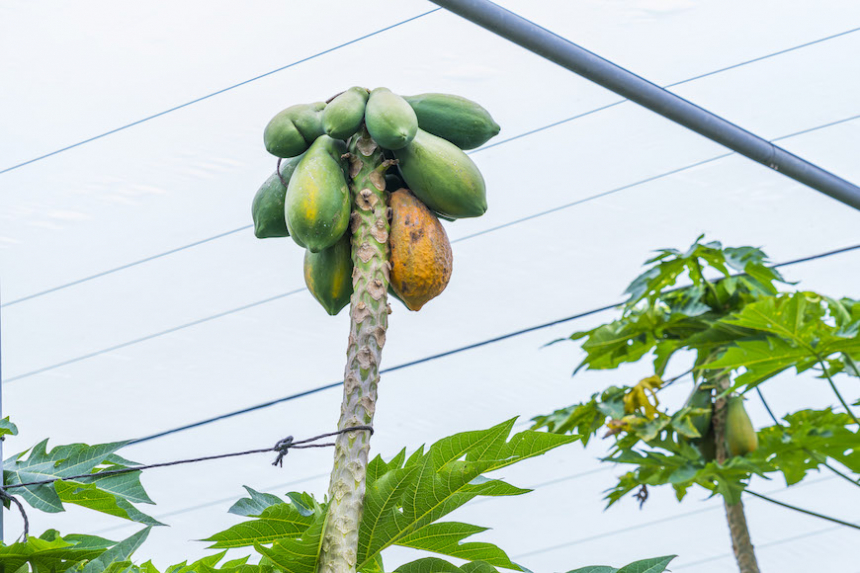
{"x": 369, "y": 311}
{"x": 740, "y": 533}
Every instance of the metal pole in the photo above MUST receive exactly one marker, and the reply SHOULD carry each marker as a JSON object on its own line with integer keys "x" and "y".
{"x": 553, "y": 47}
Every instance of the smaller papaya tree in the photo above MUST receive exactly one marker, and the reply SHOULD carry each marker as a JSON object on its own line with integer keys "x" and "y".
{"x": 722, "y": 308}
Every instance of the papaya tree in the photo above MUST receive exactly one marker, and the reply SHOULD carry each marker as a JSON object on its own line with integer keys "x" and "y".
{"x": 738, "y": 321}
{"x": 366, "y": 232}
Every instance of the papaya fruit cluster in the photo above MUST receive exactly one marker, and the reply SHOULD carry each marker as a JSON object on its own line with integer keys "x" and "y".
{"x": 741, "y": 437}
{"x": 308, "y": 196}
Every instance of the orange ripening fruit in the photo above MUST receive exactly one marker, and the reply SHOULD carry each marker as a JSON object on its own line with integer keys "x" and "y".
{"x": 421, "y": 258}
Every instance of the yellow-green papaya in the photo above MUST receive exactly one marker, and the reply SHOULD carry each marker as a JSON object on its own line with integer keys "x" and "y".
{"x": 328, "y": 275}
{"x": 390, "y": 121}
{"x": 317, "y": 202}
{"x": 741, "y": 437}
{"x": 267, "y": 209}
{"x": 457, "y": 119}
{"x": 442, "y": 176}
{"x": 292, "y": 130}
{"x": 343, "y": 115}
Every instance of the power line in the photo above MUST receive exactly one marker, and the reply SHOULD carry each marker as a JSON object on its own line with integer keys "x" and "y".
{"x": 532, "y": 132}
{"x": 441, "y": 355}
{"x": 221, "y": 91}
{"x": 649, "y": 523}
{"x": 492, "y": 229}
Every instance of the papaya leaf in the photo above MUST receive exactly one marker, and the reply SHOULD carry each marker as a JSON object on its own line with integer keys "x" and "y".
{"x": 655, "y": 565}
{"x": 7, "y": 428}
{"x": 254, "y": 505}
{"x": 197, "y": 566}
{"x": 595, "y": 569}
{"x": 50, "y": 551}
{"x": 112, "y": 494}
{"x": 762, "y": 360}
{"x": 402, "y": 504}
{"x": 118, "y": 553}
{"x": 298, "y": 554}
{"x": 436, "y": 565}
{"x": 280, "y": 521}
{"x": 446, "y": 539}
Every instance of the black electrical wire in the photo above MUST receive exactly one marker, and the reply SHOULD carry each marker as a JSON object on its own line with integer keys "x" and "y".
{"x": 537, "y": 130}
{"x": 221, "y": 91}
{"x": 442, "y": 355}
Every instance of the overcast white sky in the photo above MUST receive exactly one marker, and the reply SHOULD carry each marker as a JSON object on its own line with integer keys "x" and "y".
{"x": 224, "y": 324}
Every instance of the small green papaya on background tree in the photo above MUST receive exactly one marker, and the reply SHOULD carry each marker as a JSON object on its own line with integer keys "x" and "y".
{"x": 722, "y": 307}
{"x": 367, "y": 232}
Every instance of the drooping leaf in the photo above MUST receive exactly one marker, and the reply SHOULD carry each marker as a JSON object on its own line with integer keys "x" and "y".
{"x": 436, "y": 565}
{"x": 118, "y": 553}
{"x": 280, "y": 521}
{"x": 7, "y": 428}
{"x": 254, "y": 505}
{"x": 50, "y": 551}
{"x": 112, "y": 494}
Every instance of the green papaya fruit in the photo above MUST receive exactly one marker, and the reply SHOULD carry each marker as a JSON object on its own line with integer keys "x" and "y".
{"x": 390, "y": 121}
{"x": 393, "y": 182}
{"x": 457, "y": 119}
{"x": 442, "y": 176}
{"x": 292, "y": 130}
{"x": 267, "y": 209}
{"x": 343, "y": 116}
{"x": 317, "y": 203}
{"x": 707, "y": 445}
{"x": 701, "y": 398}
{"x": 741, "y": 437}
{"x": 328, "y": 275}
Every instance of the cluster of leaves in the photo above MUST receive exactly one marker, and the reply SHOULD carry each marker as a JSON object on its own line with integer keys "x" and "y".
{"x": 406, "y": 497}
{"x": 113, "y": 494}
{"x": 737, "y": 325}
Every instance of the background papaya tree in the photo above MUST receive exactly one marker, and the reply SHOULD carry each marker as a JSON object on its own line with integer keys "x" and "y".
{"x": 721, "y": 308}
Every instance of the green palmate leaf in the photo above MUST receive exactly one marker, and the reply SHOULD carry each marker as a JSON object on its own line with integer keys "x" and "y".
{"x": 436, "y": 565}
{"x": 112, "y": 494}
{"x": 405, "y": 500}
{"x": 298, "y": 554}
{"x": 762, "y": 359}
{"x": 7, "y": 428}
{"x": 50, "y": 551}
{"x": 446, "y": 539}
{"x": 595, "y": 569}
{"x": 807, "y": 440}
{"x": 118, "y": 553}
{"x": 281, "y": 521}
{"x": 655, "y": 565}
{"x": 254, "y": 506}
{"x": 208, "y": 561}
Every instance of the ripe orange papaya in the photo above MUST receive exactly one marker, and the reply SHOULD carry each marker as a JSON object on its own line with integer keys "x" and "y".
{"x": 741, "y": 437}
{"x": 457, "y": 119}
{"x": 317, "y": 202}
{"x": 442, "y": 176}
{"x": 328, "y": 275}
{"x": 421, "y": 258}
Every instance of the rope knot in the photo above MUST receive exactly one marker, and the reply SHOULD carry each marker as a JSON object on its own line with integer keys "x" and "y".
{"x": 282, "y": 447}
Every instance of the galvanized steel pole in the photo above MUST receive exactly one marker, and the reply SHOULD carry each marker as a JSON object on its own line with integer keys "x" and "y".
{"x": 565, "y": 53}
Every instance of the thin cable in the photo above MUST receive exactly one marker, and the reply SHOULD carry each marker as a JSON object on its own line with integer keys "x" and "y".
{"x": 532, "y": 132}
{"x": 221, "y": 91}
{"x": 281, "y": 448}
{"x": 804, "y": 511}
{"x": 125, "y": 266}
{"x": 646, "y": 524}
{"x": 151, "y": 336}
{"x": 441, "y": 355}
